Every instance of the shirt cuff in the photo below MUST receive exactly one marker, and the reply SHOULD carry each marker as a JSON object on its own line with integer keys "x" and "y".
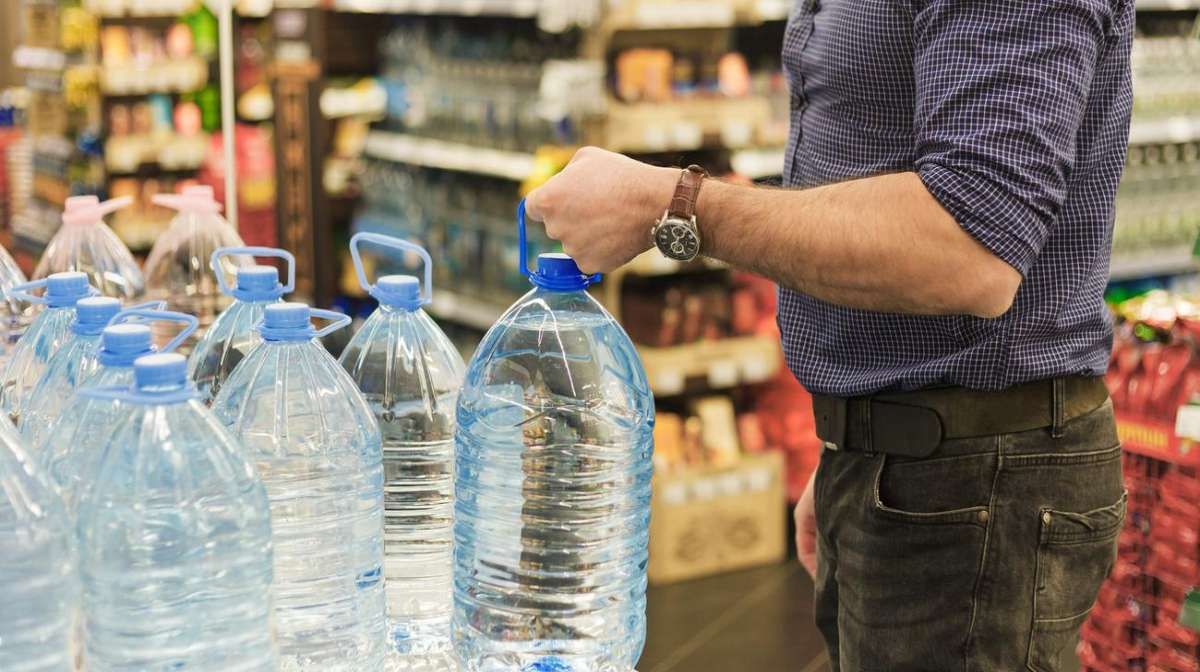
{"x": 1001, "y": 223}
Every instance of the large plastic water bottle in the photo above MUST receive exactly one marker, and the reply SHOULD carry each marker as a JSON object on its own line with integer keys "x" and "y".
{"x": 552, "y": 485}
{"x": 72, "y": 449}
{"x": 317, "y": 447}
{"x": 174, "y": 537}
{"x": 177, "y": 269}
{"x": 235, "y": 333}
{"x": 74, "y": 361}
{"x": 43, "y": 338}
{"x": 38, "y": 583}
{"x": 14, "y": 315}
{"x": 410, "y": 374}
{"x": 85, "y": 243}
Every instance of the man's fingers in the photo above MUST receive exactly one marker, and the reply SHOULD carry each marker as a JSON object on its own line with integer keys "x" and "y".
{"x": 533, "y": 206}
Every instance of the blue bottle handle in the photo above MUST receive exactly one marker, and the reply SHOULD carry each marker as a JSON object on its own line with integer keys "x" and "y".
{"x": 190, "y": 323}
{"x": 21, "y": 292}
{"x": 149, "y": 305}
{"x": 215, "y": 265}
{"x": 521, "y": 243}
{"x": 336, "y": 321}
{"x": 395, "y": 244}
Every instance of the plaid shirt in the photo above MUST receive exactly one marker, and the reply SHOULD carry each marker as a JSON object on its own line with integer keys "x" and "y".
{"x": 1015, "y": 114}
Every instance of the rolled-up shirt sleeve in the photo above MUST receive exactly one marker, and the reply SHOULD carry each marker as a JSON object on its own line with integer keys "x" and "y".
{"x": 1002, "y": 89}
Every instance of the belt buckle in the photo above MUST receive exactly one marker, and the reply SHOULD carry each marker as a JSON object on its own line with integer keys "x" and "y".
{"x": 830, "y": 416}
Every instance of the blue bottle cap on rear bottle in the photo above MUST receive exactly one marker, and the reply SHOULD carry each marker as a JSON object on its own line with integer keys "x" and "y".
{"x": 121, "y": 344}
{"x": 160, "y": 371}
{"x": 93, "y": 313}
{"x": 64, "y": 289}
{"x": 558, "y": 272}
{"x": 402, "y": 292}
{"x": 258, "y": 283}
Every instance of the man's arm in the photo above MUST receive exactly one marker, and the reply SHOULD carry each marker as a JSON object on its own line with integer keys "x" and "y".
{"x": 880, "y": 243}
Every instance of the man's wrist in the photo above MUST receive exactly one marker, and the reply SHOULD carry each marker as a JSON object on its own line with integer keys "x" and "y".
{"x": 657, "y": 190}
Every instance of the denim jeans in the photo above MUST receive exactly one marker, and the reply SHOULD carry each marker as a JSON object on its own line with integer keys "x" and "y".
{"x": 985, "y": 556}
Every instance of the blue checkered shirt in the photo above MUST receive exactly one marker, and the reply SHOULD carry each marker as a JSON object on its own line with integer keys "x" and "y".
{"x": 1015, "y": 114}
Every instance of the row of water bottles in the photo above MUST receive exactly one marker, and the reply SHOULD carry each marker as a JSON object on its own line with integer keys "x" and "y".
{"x": 263, "y": 506}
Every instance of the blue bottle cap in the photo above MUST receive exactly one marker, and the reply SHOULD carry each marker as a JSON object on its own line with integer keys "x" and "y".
{"x": 258, "y": 283}
{"x": 64, "y": 289}
{"x": 558, "y": 272}
{"x": 287, "y": 316}
{"x": 93, "y": 313}
{"x": 293, "y": 322}
{"x": 166, "y": 370}
{"x": 121, "y": 344}
{"x": 399, "y": 291}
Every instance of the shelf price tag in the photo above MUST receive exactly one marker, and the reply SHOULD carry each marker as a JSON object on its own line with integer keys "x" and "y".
{"x": 1187, "y": 423}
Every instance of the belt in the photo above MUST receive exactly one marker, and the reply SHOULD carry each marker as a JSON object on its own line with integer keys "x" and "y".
{"x": 915, "y": 423}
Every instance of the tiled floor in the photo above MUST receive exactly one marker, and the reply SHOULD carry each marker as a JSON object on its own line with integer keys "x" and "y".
{"x": 758, "y": 620}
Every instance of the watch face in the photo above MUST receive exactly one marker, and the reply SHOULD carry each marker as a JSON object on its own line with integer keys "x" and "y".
{"x": 677, "y": 240}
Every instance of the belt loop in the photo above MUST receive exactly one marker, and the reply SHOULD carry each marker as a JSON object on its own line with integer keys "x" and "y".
{"x": 1058, "y": 405}
{"x": 867, "y": 438}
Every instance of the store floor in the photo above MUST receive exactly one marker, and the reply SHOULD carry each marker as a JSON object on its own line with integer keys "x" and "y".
{"x": 758, "y": 620}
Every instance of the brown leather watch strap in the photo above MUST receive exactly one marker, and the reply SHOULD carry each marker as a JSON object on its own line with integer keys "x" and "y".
{"x": 687, "y": 192}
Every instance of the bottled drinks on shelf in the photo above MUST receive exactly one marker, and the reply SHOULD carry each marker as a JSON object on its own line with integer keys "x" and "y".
{"x": 14, "y": 316}
{"x": 410, "y": 374}
{"x": 43, "y": 338}
{"x": 74, "y": 360}
{"x": 177, "y": 269}
{"x": 174, "y": 537}
{"x": 552, "y": 486}
{"x": 85, "y": 243}
{"x": 235, "y": 333}
{"x": 317, "y": 448}
{"x": 72, "y": 448}
{"x": 37, "y": 566}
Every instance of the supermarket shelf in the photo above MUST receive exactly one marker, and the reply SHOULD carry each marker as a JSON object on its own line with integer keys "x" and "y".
{"x": 464, "y": 310}
{"x": 1173, "y": 261}
{"x": 682, "y": 125}
{"x": 652, "y": 264}
{"x": 693, "y": 14}
{"x": 1167, "y": 5}
{"x": 418, "y": 151}
{"x": 1162, "y": 131}
{"x": 720, "y": 364}
{"x": 38, "y": 58}
{"x": 1157, "y": 439}
{"x": 758, "y": 163}
{"x": 513, "y": 8}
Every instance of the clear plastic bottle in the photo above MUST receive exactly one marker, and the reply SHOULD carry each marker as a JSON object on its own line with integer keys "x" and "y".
{"x": 43, "y": 338}
{"x": 410, "y": 374}
{"x": 177, "y": 269}
{"x": 235, "y": 333}
{"x": 14, "y": 315}
{"x": 71, "y": 450}
{"x": 73, "y": 362}
{"x": 552, "y": 486}
{"x": 317, "y": 447}
{"x": 85, "y": 243}
{"x": 174, "y": 537}
{"x": 37, "y": 566}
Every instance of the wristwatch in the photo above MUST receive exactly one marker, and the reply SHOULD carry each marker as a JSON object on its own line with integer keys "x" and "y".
{"x": 676, "y": 234}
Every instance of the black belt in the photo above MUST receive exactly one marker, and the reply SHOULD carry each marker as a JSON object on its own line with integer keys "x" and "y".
{"x": 915, "y": 423}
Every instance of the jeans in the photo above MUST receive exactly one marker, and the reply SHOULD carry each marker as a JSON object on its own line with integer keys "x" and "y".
{"x": 985, "y": 556}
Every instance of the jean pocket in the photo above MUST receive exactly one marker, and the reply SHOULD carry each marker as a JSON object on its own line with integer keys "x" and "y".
{"x": 938, "y": 491}
{"x": 1075, "y": 553}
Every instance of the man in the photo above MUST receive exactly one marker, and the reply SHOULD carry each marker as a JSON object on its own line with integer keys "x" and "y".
{"x": 942, "y": 256}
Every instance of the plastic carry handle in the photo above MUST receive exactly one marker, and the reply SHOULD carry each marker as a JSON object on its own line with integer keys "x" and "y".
{"x": 181, "y": 202}
{"x": 395, "y": 244}
{"x": 149, "y": 305}
{"x": 109, "y": 393}
{"x": 521, "y": 243}
{"x": 215, "y": 264}
{"x": 113, "y": 204}
{"x": 21, "y": 292}
{"x": 190, "y": 323}
{"x": 336, "y": 321}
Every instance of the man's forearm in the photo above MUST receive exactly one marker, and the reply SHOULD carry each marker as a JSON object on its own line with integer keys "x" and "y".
{"x": 880, "y": 243}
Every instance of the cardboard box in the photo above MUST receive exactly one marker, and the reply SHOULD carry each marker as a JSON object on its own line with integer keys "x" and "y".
{"x": 708, "y": 521}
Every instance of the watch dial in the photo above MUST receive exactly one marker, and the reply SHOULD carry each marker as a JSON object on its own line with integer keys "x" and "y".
{"x": 677, "y": 241}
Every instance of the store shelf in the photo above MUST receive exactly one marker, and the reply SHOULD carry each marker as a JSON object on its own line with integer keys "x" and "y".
{"x": 513, "y": 8}
{"x": 683, "y": 125}
{"x": 429, "y": 153}
{"x": 38, "y": 58}
{"x": 720, "y": 364}
{"x": 168, "y": 76}
{"x": 1156, "y": 439}
{"x": 652, "y": 264}
{"x": 1163, "y": 131}
{"x": 757, "y": 164}
{"x": 1167, "y": 5}
{"x": 465, "y": 310}
{"x": 1173, "y": 261}
{"x": 693, "y": 14}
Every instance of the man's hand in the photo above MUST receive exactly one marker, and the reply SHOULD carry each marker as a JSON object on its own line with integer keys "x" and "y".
{"x": 602, "y": 206}
{"x": 806, "y": 529}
